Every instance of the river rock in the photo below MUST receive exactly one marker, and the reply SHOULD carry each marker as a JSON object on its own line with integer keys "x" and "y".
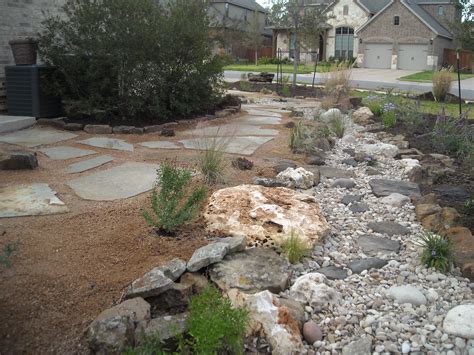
{"x": 253, "y": 270}
{"x": 389, "y": 228}
{"x": 207, "y": 255}
{"x": 312, "y": 289}
{"x": 406, "y": 294}
{"x": 331, "y": 114}
{"x": 265, "y": 215}
{"x": 312, "y": 332}
{"x": 333, "y": 272}
{"x": 348, "y": 199}
{"x": 362, "y": 346}
{"x": 459, "y": 321}
{"x": 395, "y": 200}
{"x": 357, "y": 266}
{"x": 383, "y": 187}
{"x": 344, "y": 183}
{"x": 298, "y": 178}
{"x": 376, "y": 245}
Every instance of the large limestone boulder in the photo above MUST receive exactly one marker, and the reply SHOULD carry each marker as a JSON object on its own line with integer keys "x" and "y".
{"x": 269, "y": 319}
{"x": 298, "y": 178}
{"x": 266, "y": 215}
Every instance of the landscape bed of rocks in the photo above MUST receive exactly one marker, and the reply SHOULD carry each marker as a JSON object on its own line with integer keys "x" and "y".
{"x": 363, "y": 289}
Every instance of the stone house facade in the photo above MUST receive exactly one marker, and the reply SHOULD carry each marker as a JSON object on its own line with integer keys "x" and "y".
{"x": 366, "y": 31}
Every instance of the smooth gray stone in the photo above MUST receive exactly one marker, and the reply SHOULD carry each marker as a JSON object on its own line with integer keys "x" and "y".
{"x": 348, "y": 199}
{"x": 232, "y": 130}
{"x": 454, "y": 192}
{"x": 152, "y": 284}
{"x": 33, "y": 137}
{"x": 330, "y": 172}
{"x": 407, "y": 294}
{"x": 383, "y": 187}
{"x": 389, "y": 228}
{"x": 359, "y": 207}
{"x": 64, "y": 152}
{"x": 344, "y": 183}
{"x": 108, "y": 143}
{"x": 374, "y": 245}
{"x": 160, "y": 145}
{"x": 333, "y": 272}
{"x": 232, "y": 145}
{"x": 362, "y": 346}
{"x": 350, "y": 162}
{"x": 89, "y": 164}
{"x": 357, "y": 266}
{"x": 207, "y": 255}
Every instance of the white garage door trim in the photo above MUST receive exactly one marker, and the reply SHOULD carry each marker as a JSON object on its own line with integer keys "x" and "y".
{"x": 378, "y": 55}
{"x": 412, "y": 56}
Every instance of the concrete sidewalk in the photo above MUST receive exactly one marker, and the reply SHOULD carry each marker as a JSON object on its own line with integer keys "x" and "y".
{"x": 378, "y": 79}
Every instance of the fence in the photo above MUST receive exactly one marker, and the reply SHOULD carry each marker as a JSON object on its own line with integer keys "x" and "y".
{"x": 466, "y": 60}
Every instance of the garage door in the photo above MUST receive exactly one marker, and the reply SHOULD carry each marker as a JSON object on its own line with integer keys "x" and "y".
{"x": 412, "y": 56}
{"x": 378, "y": 56}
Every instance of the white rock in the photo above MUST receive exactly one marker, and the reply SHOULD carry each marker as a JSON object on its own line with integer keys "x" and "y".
{"x": 348, "y": 139}
{"x": 395, "y": 200}
{"x": 312, "y": 289}
{"x": 406, "y": 348}
{"x": 406, "y": 294}
{"x": 331, "y": 114}
{"x": 460, "y": 321}
{"x": 383, "y": 149}
{"x": 298, "y": 178}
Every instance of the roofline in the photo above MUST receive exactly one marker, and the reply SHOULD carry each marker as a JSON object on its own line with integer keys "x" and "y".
{"x": 411, "y": 10}
{"x": 264, "y": 11}
{"x": 363, "y": 6}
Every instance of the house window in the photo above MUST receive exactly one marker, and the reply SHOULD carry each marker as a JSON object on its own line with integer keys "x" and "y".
{"x": 344, "y": 46}
{"x": 345, "y": 10}
{"x": 396, "y": 20}
{"x": 440, "y": 10}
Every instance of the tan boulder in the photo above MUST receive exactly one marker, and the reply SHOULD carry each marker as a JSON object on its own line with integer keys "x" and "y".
{"x": 362, "y": 115}
{"x": 463, "y": 241}
{"x": 267, "y": 216}
{"x": 439, "y": 222}
{"x": 423, "y": 210}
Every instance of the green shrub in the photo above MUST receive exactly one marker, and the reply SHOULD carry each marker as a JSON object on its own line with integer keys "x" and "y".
{"x": 6, "y": 253}
{"x": 212, "y": 162}
{"x": 133, "y": 58}
{"x": 214, "y": 326}
{"x": 389, "y": 119}
{"x": 294, "y": 248}
{"x": 454, "y": 136}
{"x": 437, "y": 251}
{"x": 376, "y": 108}
{"x": 245, "y": 85}
{"x": 298, "y": 135}
{"x": 323, "y": 132}
{"x": 286, "y": 91}
{"x": 176, "y": 202}
{"x": 441, "y": 85}
{"x": 338, "y": 126}
{"x": 148, "y": 345}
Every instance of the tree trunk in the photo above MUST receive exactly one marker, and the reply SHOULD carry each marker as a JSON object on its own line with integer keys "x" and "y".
{"x": 295, "y": 63}
{"x": 256, "y": 56}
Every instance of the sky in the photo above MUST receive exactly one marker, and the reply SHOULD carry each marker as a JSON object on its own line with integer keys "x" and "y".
{"x": 263, "y": 2}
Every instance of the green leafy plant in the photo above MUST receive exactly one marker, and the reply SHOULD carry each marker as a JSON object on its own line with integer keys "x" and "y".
{"x": 441, "y": 85}
{"x": 338, "y": 126}
{"x": 286, "y": 91}
{"x": 148, "y": 345}
{"x": 375, "y": 107}
{"x": 6, "y": 253}
{"x": 298, "y": 135}
{"x": 437, "y": 251}
{"x": 294, "y": 248}
{"x": 389, "y": 119}
{"x": 323, "y": 132}
{"x": 214, "y": 326}
{"x": 245, "y": 85}
{"x": 176, "y": 202}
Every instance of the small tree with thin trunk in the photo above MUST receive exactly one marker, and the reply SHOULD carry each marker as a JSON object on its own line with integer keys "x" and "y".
{"x": 254, "y": 38}
{"x": 306, "y": 23}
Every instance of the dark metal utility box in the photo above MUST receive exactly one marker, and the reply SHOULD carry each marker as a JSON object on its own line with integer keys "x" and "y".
{"x": 26, "y": 94}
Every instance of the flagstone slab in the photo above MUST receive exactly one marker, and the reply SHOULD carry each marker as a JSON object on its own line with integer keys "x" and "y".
{"x": 259, "y": 120}
{"x": 233, "y": 145}
{"x": 34, "y": 137}
{"x": 108, "y": 143}
{"x": 123, "y": 181}
{"x": 231, "y": 130}
{"x": 160, "y": 145}
{"x": 254, "y": 112}
{"x": 29, "y": 200}
{"x": 63, "y": 153}
{"x": 89, "y": 164}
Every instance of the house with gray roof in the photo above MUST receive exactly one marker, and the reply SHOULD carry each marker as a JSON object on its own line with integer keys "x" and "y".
{"x": 391, "y": 34}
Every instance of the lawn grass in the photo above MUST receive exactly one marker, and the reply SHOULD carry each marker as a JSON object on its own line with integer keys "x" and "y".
{"x": 427, "y": 77}
{"x": 272, "y": 68}
{"x": 429, "y": 107}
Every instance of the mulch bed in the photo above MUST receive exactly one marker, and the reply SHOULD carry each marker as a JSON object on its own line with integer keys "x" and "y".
{"x": 420, "y": 139}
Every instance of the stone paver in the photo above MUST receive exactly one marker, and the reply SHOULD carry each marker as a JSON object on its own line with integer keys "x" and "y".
{"x": 108, "y": 143}
{"x": 89, "y": 164}
{"x": 29, "y": 200}
{"x": 124, "y": 181}
{"x": 160, "y": 145}
{"x": 232, "y": 145}
{"x": 34, "y": 137}
{"x": 64, "y": 152}
{"x": 259, "y": 120}
{"x": 231, "y": 130}
{"x": 256, "y": 112}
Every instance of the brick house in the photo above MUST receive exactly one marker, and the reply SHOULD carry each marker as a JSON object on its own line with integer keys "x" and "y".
{"x": 396, "y": 34}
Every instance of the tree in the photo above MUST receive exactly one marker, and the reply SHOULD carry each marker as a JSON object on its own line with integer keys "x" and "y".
{"x": 133, "y": 58}
{"x": 305, "y": 21}
{"x": 463, "y": 29}
{"x": 254, "y": 38}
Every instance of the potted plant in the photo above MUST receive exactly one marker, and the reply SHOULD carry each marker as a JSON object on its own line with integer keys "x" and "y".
{"x": 24, "y": 50}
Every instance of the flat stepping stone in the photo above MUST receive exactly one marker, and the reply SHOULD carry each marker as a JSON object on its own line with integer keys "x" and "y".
{"x": 389, "y": 228}
{"x": 383, "y": 187}
{"x": 124, "y": 181}
{"x": 36, "y": 136}
{"x": 234, "y": 145}
{"x": 333, "y": 272}
{"x": 64, "y": 153}
{"x": 259, "y": 120}
{"x": 256, "y": 112}
{"x": 330, "y": 172}
{"x": 359, "y": 207}
{"x": 160, "y": 145}
{"x": 29, "y": 200}
{"x": 454, "y": 192}
{"x": 348, "y": 199}
{"x": 251, "y": 271}
{"x": 357, "y": 266}
{"x": 231, "y": 130}
{"x": 89, "y": 164}
{"x": 377, "y": 245}
{"x": 108, "y": 143}
{"x": 344, "y": 183}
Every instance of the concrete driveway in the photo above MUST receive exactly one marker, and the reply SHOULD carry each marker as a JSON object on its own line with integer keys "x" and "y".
{"x": 378, "y": 79}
